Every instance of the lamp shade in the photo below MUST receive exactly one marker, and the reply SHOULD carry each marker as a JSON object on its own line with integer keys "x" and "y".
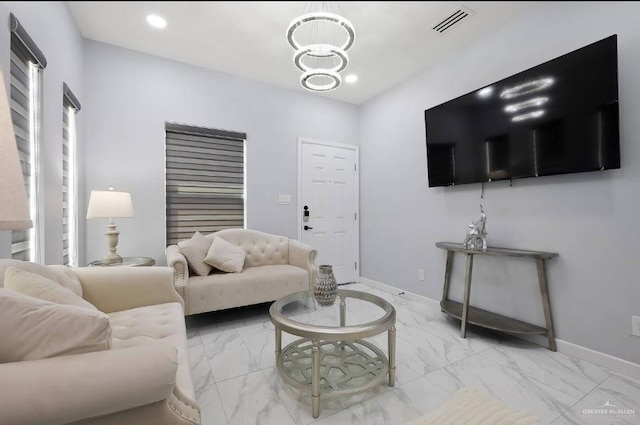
{"x": 109, "y": 204}
{"x": 14, "y": 208}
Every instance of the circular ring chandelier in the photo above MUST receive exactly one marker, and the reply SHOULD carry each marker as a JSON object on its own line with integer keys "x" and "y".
{"x": 526, "y": 88}
{"x": 321, "y": 50}
{"x": 321, "y": 17}
{"x": 307, "y": 77}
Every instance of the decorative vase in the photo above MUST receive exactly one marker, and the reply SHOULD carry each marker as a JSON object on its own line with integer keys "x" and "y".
{"x": 325, "y": 289}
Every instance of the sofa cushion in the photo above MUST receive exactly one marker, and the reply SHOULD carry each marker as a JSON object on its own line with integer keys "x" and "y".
{"x": 36, "y": 329}
{"x": 254, "y": 285}
{"x": 37, "y": 286}
{"x": 195, "y": 250}
{"x": 60, "y": 274}
{"x": 155, "y": 324}
{"x": 225, "y": 256}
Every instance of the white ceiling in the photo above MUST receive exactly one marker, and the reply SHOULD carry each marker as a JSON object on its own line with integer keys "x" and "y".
{"x": 394, "y": 40}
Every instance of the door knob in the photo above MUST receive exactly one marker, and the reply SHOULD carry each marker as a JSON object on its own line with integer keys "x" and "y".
{"x": 307, "y": 227}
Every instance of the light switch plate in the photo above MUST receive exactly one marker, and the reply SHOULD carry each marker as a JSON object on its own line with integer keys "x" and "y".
{"x": 284, "y": 199}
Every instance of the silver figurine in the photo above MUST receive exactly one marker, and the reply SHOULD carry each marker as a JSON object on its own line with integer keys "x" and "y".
{"x": 476, "y": 239}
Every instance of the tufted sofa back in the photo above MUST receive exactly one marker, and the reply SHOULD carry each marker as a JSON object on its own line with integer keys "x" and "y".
{"x": 262, "y": 249}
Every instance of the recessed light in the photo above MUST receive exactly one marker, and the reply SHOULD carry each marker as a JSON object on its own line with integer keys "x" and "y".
{"x": 351, "y": 78}
{"x": 156, "y": 21}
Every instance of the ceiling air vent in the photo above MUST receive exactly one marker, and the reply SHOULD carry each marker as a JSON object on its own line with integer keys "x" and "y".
{"x": 453, "y": 19}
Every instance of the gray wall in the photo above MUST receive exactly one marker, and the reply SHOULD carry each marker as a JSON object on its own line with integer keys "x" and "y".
{"x": 53, "y": 29}
{"x": 590, "y": 219}
{"x": 130, "y": 96}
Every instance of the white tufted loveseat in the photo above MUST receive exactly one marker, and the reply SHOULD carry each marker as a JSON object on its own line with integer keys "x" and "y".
{"x": 143, "y": 378}
{"x": 274, "y": 266}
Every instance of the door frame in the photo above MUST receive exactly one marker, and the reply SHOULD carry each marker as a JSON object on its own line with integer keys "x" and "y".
{"x": 356, "y": 151}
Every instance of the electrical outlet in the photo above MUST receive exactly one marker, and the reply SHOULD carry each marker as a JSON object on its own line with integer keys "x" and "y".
{"x": 420, "y": 274}
{"x": 635, "y": 325}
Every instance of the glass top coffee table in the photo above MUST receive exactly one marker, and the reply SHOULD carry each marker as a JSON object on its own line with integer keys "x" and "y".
{"x": 331, "y": 357}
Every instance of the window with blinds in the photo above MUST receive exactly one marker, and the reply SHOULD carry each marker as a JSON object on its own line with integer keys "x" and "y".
{"x": 204, "y": 180}
{"x": 27, "y": 63}
{"x": 70, "y": 106}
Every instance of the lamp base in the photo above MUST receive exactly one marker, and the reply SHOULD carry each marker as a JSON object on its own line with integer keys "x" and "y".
{"x": 112, "y": 241}
{"x": 112, "y": 259}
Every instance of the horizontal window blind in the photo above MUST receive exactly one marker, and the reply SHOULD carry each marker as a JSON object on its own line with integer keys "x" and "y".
{"x": 204, "y": 181}
{"x": 70, "y": 106}
{"x": 27, "y": 62}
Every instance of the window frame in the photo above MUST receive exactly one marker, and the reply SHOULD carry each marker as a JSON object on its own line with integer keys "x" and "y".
{"x": 228, "y": 149}
{"x": 70, "y": 213}
{"x": 27, "y": 58}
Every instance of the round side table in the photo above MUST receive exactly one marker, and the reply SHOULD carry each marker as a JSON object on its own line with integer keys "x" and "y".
{"x": 126, "y": 262}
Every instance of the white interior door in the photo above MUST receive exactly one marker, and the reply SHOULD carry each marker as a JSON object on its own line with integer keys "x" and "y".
{"x": 328, "y": 186}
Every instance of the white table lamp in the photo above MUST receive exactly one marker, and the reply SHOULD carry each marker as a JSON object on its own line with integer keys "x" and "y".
{"x": 110, "y": 204}
{"x": 14, "y": 208}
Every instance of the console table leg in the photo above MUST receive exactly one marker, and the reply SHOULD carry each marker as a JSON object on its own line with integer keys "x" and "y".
{"x": 315, "y": 379}
{"x": 467, "y": 292}
{"x": 392, "y": 356}
{"x": 546, "y": 305}
{"x": 447, "y": 275}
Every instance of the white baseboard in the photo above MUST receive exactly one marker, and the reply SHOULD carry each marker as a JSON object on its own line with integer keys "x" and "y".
{"x": 616, "y": 364}
{"x": 395, "y": 291}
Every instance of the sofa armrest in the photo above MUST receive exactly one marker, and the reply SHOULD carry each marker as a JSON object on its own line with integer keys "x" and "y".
{"x": 65, "y": 389}
{"x": 180, "y": 266}
{"x": 122, "y": 288}
{"x": 303, "y": 256}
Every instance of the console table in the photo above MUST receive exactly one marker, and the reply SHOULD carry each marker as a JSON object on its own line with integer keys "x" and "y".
{"x": 487, "y": 319}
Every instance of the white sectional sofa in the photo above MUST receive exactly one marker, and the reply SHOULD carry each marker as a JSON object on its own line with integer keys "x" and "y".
{"x": 142, "y": 378}
{"x": 274, "y": 266}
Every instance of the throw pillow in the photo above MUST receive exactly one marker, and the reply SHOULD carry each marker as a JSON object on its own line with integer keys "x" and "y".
{"x": 37, "y": 286}
{"x": 36, "y": 329}
{"x": 61, "y": 274}
{"x": 195, "y": 250}
{"x": 225, "y": 256}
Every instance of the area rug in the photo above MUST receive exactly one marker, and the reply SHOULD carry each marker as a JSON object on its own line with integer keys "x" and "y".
{"x": 471, "y": 407}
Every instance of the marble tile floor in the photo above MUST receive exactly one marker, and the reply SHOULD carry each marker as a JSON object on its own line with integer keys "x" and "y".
{"x": 233, "y": 368}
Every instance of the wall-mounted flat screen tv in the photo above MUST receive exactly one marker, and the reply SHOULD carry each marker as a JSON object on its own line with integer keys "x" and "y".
{"x": 556, "y": 118}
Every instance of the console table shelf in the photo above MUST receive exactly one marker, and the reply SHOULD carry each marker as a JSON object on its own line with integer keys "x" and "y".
{"x": 487, "y": 319}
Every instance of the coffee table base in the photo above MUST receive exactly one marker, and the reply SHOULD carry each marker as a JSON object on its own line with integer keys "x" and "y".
{"x": 344, "y": 367}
